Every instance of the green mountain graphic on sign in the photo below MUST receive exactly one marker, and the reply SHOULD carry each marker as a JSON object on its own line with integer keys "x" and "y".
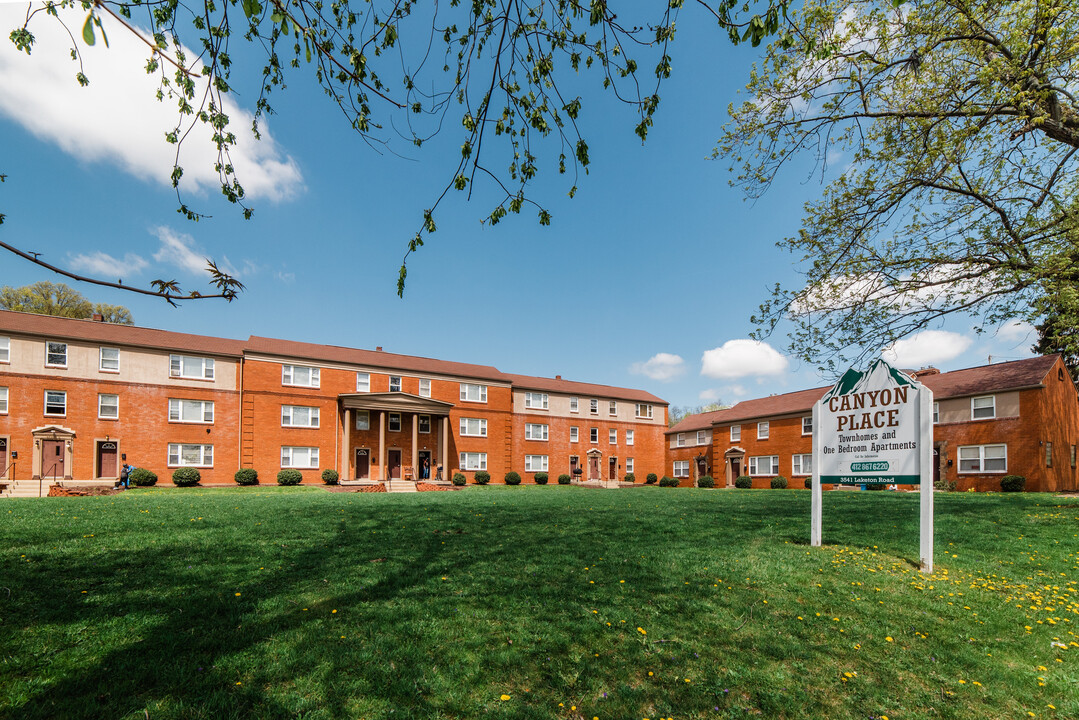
{"x": 874, "y": 376}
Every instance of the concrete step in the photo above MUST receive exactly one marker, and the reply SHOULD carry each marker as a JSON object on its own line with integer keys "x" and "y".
{"x": 27, "y": 488}
{"x": 401, "y": 486}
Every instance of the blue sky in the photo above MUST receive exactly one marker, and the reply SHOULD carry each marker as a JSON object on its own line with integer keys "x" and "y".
{"x": 646, "y": 279}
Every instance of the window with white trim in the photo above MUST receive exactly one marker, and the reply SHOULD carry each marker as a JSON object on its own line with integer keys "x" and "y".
{"x": 680, "y": 440}
{"x": 425, "y": 425}
{"x": 702, "y": 437}
{"x": 55, "y": 354}
{"x": 802, "y": 464}
{"x": 574, "y": 434}
{"x": 807, "y": 425}
{"x": 108, "y": 359}
{"x": 593, "y": 435}
{"x": 299, "y": 416}
{"x": 629, "y": 437}
{"x": 573, "y": 404}
{"x": 612, "y": 436}
{"x": 394, "y": 422}
{"x": 764, "y": 465}
{"x": 471, "y": 392}
{"x": 473, "y": 427}
{"x": 736, "y": 433}
{"x": 536, "y": 401}
{"x": 762, "y": 430}
{"x": 363, "y": 382}
{"x": 55, "y": 403}
{"x": 593, "y": 406}
{"x": 3, "y": 401}
{"x": 191, "y": 367}
{"x": 644, "y": 411}
{"x": 473, "y": 461}
{"x": 936, "y": 413}
{"x": 184, "y": 455}
{"x": 363, "y": 419}
{"x": 5, "y": 350}
{"x": 425, "y": 387}
{"x": 983, "y": 458}
{"x": 629, "y": 465}
{"x": 536, "y": 431}
{"x": 612, "y": 407}
{"x": 299, "y": 457}
{"x": 191, "y": 411}
{"x": 983, "y": 408}
{"x": 395, "y": 383}
{"x": 681, "y": 469}
{"x": 300, "y": 376}
{"x": 535, "y": 463}
{"x": 108, "y": 406}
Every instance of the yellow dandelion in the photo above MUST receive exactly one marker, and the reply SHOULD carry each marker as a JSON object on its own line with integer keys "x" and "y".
{"x": 642, "y": 631}
{"x": 505, "y": 697}
{"x": 889, "y": 639}
{"x": 649, "y": 673}
{"x": 237, "y": 594}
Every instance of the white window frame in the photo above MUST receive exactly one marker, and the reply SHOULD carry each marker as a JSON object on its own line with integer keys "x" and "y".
{"x": 60, "y": 398}
{"x": 535, "y": 463}
{"x": 799, "y": 463}
{"x": 763, "y": 430}
{"x": 612, "y": 436}
{"x": 365, "y": 415}
{"x": 680, "y": 469}
{"x": 390, "y": 422}
{"x": 176, "y": 411}
{"x": 5, "y": 350}
{"x": 472, "y": 461}
{"x": 537, "y": 401}
{"x": 49, "y": 352}
{"x": 629, "y": 437}
{"x": 981, "y": 459}
{"x": 593, "y": 435}
{"x": 736, "y": 433}
{"x": 537, "y": 431}
{"x": 807, "y": 425}
{"x": 425, "y": 387}
{"x": 574, "y": 405}
{"x": 754, "y": 465}
{"x": 629, "y": 465}
{"x": 680, "y": 440}
{"x": 702, "y": 437}
{"x": 612, "y": 408}
{"x": 395, "y": 383}
{"x": 3, "y": 402}
{"x": 178, "y": 367}
{"x": 480, "y": 392}
{"x": 291, "y": 457}
{"x": 644, "y": 410}
{"x": 102, "y": 407}
{"x": 480, "y": 427}
{"x": 992, "y": 407}
{"x": 574, "y": 434}
{"x": 593, "y": 406}
{"x": 101, "y": 360}
{"x": 176, "y": 455}
{"x": 422, "y": 421}
{"x": 363, "y": 382}
{"x": 936, "y": 413}
{"x": 288, "y": 416}
{"x": 288, "y": 376}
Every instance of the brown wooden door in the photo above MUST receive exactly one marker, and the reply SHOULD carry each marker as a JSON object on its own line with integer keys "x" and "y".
{"x": 612, "y": 469}
{"x": 106, "y": 460}
{"x": 394, "y": 461}
{"x": 52, "y": 459}
{"x": 363, "y": 463}
{"x": 936, "y": 465}
{"x": 702, "y": 468}
{"x": 593, "y": 468}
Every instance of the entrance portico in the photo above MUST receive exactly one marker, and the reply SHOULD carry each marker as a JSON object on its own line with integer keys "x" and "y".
{"x": 409, "y": 428}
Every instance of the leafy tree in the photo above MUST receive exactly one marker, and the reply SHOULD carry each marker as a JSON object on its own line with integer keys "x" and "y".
{"x": 946, "y": 134}
{"x": 46, "y": 298}
{"x": 1058, "y": 334}
{"x": 678, "y": 413}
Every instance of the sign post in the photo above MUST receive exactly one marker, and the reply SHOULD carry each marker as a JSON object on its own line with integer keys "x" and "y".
{"x": 875, "y": 428}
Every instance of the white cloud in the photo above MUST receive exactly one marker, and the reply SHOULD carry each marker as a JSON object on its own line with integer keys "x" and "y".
{"x": 1017, "y": 332}
{"x": 927, "y": 348}
{"x": 662, "y": 366}
{"x": 742, "y": 358}
{"x": 286, "y": 277}
{"x": 116, "y": 118}
{"x": 100, "y": 263}
{"x": 179, "y": 249}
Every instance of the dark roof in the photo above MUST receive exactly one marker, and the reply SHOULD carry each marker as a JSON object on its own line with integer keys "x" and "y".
{"x": 998, "y": 377}
{"x": 800, "y": 401}
{"x": 700, "y": 421}
{"x": 109, "y": 334}
{"x": 581, "y": 388}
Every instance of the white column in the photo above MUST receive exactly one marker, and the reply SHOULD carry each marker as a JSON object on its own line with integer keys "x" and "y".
{"x": 415, "y": 445}
{"x": 347, "y": 449}
{"x": 444, "y": 456}
{"x": 382, "y": 445}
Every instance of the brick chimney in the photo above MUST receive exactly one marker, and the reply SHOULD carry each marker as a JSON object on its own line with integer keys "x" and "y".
{"x": 378, "y": 348}
{"x": 97, "y": 317}
{"x": 557, "y": 377}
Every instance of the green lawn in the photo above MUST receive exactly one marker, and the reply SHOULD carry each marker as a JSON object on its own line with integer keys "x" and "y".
{"x": 535, "y": 602}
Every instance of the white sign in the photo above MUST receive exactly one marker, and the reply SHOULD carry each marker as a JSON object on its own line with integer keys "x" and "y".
{"x": 875, "y": 427}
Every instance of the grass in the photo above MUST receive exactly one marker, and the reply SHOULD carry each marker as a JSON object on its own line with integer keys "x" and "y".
{"x": 535, "y": 602}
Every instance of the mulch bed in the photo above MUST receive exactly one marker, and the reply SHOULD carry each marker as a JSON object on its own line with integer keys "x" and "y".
{"x": 57, "y": 491}
{"x": 428, "y": 487}
{"x": 353, "y": 488}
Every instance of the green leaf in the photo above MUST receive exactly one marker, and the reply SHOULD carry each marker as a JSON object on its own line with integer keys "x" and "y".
{"x": 88, "y": 30}
{"x": 252, "y": 8}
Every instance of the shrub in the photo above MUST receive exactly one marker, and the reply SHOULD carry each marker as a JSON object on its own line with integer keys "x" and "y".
{"x": 779, "y": 483}
{"x": 563, "y": 479}
{"x": 330, "y": 477}
{"x": 142, "y": 477}
{"x": 809, "y": 483}
{"x": 875, "y": 486}
{"x": 944, "y": 485}
{"x": 706, "y": 482}
{"x": 289, "y": 477}
{"x": 540, "y": 478}
{"x": 482, "y": 477}
{"x": 186, "y": 477}
{"x": 650, "y": 479}
{"x": 246, "y": 476}
{"x": 459, "y": 479}
{"x": 668, "y": 482}
{"x": 744, "y": 482}
{"x": 513, "y": 478}
{"x": 630, "y": 477}
{"x": 1013, "y": 483}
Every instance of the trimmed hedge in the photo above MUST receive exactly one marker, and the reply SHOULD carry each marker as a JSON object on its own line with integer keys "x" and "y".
{"x": 459, "y": 479}
{"x": 630, "y": 477}
{"x": 142, "y": 477}
{"x": 330, "y": 477}
{"x": 809, "y": 483}
{"x": 186, "y": 477}
{"x": 512, "y": 478}
{"x": 779, "y": 483}
{"x": 540, "y": 478}
{"x": 482, "y": 477}
{"x": 1013, "y": 483}
{"x": 668, "y": 482}
{"x": 246, "y": 476}
{"x": 706, "y": 482}
{"x": 744, "y": 482}
{"x": 564, "y": 479}
{"x": 289, "y": 477}
{"x": 650, "y": 479}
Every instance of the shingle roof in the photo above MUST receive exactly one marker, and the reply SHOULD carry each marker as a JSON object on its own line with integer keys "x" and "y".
{"x": 800, "y": 401}
{"x": 700, "y": 421}
{"x": 107, "y": 333}
{"x": 581, "y": 388}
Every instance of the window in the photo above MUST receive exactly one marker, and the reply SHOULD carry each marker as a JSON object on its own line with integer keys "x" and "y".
{"x": 629, "y": 465}
{"x": 702, "y": 437}
{"x": 1073, "y": 456}
{"x": 983, "y": 458}
{"x": 573, "y": 403}
{"x": 762, "y": 430}
{"x": 535, "y": 463}
{"x": 736, "y": 433}
{"x": 474, "y": 427}
{"x": 108, "y": 360}
{"x": 395, "y": 422}
{"x": 191, "y": 411}
{"x": 3, "y": 402}
{"x": 395, "y": 383}
{"x": 593, "y": 435}
{"x": 644, "y": 411}
{"x": 536, "y": 401}
{"x": 802, "y": 465}
{"x": 299, "y": 416}
{"x": 108, "y": 407}
{"x": 535, "y": 431}
{"x": 425, "y": 387}
{"x": 612, "y": 436}
{"x": 983, "y": 408}
{"x": 363, "y": 382}
{"x": 681, "y": 468}
{"x": 612, "y": 408}
{"x": 807, "y": 425}
{"x": 473, "y": 461}
{"x": 299, "y": 457}
{"x": 191, "y": 455}
{"x": 593, "y": 406}
{"x": 56, "y": 354}
{"x": 425, "y": 424}
{"x": 474, "y": 393}
{"x": 363, "y": 419}
{"x": 574, "y": 433}
{"x": 55, "y": 403}
{"x": 1048, "y": 454}
{"x": 936, "y": 413}
{"x": 186, "y": 366}
{"x": 5, "y": 349}
{"x": 629, "y": 437}
{"x": 764, "y": 465}
{"x": 300, "y": 375}
{"x": 680, "y": 440}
